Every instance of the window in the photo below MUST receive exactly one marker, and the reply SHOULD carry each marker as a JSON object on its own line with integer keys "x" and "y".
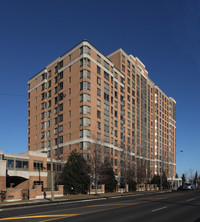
{"x": 44, "y": 76}
{"x": 85, "y": 146}
{"x": 44, "y": 115}
{"x": 85, "y": 121}
{"x": 85, "y": 133}
{"x": 106, "y": 75}
{"x": 38, "y": 165}
{"x": 55, "y": 90}
{"x": 123, "y": 68}
{"x": 85, "y": 97}
{"x": 106, "y": 86}
{"x": 10, "y": 163}
{"x": 106, "y": 65}
{"x": 85, "y": 49}
{"x": 60, "y": 139}
{"x": 98, "y": 70}
{"x": 98, "y": 59}
{"x": 128, "y": 64}
{"x": 98, "y": 81}
{"x": 60, "y": 64}
{"x": 98, "y": 103}
{"x": 84, "y": 85}
{"x": 60, "y": 118}
{"x": 84, "y": 109}
{"x": 61, "y": 150}
{"x": 60, "y": 75}
{"x": 98, "y": 92}
{"x": 49, "y": 83}
{"x": 98, "y": 114}
{"x": 98, "y": 125}
{"x": 84, "y": 74}
{"x": 123, "y": 59}
{"x": 133, "y": 68}
{"x": 49, "y": 93}
{"x": 60, "y": 129}
{"x": 49, "y": 73}
{"x": 84, "y": 62}
{"x": 43, "y": 105}
{"x": 60, "y": 86}
{"x": 106, "y": 97}
{"x": 55, "y": 79}
{"x": 44, "y": 96}
{"x": 60, "y": 96}
{"x": 106, "y": 107}
{"x": 60, "y": 107}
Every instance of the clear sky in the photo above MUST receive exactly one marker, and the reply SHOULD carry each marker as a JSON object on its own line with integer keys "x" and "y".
{"x": 163, "y": 34}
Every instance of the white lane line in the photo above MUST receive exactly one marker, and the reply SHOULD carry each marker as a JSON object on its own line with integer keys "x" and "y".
{"x": 190, "y": 200}
{"x": 159, "y": 209}
{"x": 1, "y": 209}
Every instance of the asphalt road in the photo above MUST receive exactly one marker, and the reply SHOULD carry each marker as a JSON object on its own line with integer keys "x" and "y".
{"x": 174, "y": 206}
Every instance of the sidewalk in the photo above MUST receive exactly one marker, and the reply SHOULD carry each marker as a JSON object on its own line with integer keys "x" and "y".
{"x": 72, "y": 198}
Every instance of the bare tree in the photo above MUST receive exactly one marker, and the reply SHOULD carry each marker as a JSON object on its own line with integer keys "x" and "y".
{"x": 96, "y": 161}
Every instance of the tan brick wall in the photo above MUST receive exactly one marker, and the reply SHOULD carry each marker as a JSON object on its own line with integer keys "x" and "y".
{"x": 2, "y": 182}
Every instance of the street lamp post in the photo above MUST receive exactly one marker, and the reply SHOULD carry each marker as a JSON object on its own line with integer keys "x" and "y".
{"x": 180, "y": 151}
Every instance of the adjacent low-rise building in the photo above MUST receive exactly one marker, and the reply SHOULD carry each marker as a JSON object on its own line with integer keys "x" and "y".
{"x": 26, "y": 175}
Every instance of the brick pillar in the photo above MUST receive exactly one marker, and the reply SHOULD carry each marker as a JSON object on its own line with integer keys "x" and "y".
{"x": 127, "y": 188}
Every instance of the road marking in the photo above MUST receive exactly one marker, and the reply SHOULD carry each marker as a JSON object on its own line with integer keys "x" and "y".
{"x": 115, "y": 206}
{"x": 190, "y": 199}
{"x": 159, "y": 209}
{"x": 39, "y": 216}
{"x": 105, "y": 205}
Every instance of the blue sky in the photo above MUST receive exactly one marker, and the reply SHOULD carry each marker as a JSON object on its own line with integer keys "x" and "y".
{"x": 164, "y": 35}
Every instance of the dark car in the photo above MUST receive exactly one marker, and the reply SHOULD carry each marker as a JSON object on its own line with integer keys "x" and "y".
{"x": 180, "y": 187}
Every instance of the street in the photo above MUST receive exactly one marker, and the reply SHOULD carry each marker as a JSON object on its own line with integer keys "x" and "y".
{"x": 170, "y": 206}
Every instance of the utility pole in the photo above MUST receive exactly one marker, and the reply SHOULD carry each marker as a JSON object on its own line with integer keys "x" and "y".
{"x": 52, "y": 179}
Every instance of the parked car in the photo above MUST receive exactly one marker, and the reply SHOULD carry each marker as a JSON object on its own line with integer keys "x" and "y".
{"x": 186, "y": 186}
{"x": 180, "y": 187}
{"x": 191, "y": 185}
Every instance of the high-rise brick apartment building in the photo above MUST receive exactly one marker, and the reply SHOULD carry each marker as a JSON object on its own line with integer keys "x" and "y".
{"x": 84, "y": 97}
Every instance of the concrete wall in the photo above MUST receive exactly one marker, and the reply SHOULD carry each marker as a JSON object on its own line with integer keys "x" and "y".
{"x": 2, "y": 174}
